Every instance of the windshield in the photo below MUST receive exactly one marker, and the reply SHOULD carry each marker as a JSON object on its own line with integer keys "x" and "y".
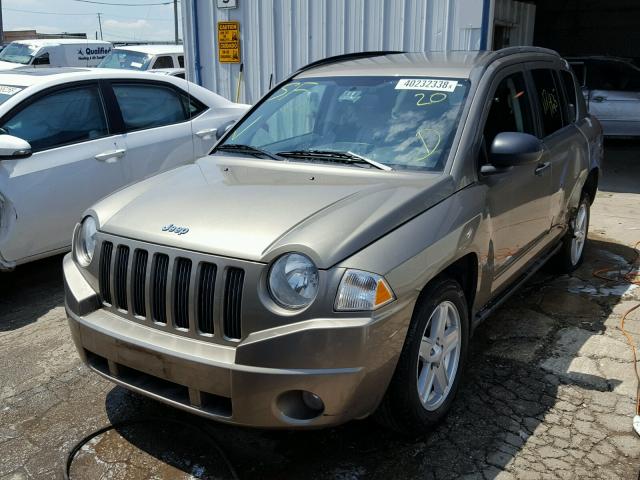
{"x": 401, "y": 123}
{"x": 125, "y": 59}
{"x": 18, "y": 53}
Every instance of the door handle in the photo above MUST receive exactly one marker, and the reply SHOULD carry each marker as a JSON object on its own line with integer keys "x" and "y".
{"x": 111, "y": 155}
{"x": 207, "y": 133}
{"x": 541, "y": 168}
{"x": 599, "y": 99}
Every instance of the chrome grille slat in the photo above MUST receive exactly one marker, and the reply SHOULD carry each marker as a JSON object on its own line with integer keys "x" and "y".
{"x": 138, "y": 282}
{"x": 180, "y": 292}
{"x": 104, "y": 278}
{"x": 206, "y": 292}
{"x": 232, "y": 303}
{"x": 159, "y": 288}
{"x": 120, "y": 276}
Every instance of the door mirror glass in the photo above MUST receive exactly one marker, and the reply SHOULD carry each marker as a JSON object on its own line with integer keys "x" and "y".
{"x": 510, "y": 149}
{"x": 12, "y": 148}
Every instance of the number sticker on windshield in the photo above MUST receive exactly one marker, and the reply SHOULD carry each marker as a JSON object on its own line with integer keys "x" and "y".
{"x": 7, "y": 90}
{"x": 426, "y": 84}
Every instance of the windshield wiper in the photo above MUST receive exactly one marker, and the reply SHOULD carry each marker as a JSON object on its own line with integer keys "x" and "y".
{"x": 237, "y": 147}
{"x": 336, "y": 156}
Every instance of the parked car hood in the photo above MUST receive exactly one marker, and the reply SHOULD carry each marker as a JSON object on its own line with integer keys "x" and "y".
{"x": 258, "y": 209}
{"x": 10, "y": 65}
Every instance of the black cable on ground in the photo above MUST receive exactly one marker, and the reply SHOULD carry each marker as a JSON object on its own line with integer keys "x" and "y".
{"x": 127, "y": 423}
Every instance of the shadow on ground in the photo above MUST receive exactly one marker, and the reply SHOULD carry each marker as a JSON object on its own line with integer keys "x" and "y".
{"x": 621, "y": 166}
{"x": 524, "y": 404}
{"x": 28, "y": 292}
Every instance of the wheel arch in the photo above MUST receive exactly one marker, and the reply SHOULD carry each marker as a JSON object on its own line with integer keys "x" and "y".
{"x": 591, "y": 183}
{"x": 463, "y": 270}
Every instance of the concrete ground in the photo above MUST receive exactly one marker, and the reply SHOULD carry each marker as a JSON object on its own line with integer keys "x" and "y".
{"x": 548, "y": 392}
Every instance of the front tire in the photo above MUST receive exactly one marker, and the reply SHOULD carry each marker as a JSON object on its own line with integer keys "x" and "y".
{"x": 429, "y": 368}
{"x": 571, "y": 253}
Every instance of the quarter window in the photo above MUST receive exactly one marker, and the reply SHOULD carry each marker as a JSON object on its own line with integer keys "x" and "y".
{"x": 148, "y": 106}
{"x": 181, "y": 61}
{"x": 163, "y": 62}
{"x": 60, "y": 118}
{"x": 549, "y": 103}
{"x": 570, "y": 94}
{"x": 510, "y": 109}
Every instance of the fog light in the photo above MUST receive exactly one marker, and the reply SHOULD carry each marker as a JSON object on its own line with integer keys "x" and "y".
{"x": 299, "y": 405}
{"x": 313, "y": 401}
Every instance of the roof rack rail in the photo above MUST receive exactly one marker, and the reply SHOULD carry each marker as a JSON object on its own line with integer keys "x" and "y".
{"x": 347, "y": 56}
{"x": 525, "y": 49}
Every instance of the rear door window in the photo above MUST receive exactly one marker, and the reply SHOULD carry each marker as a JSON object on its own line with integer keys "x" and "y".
{"x": 549, "y": 102}
{"x": 148, "y": 105}
{"x": 165, "y": 61}
{"x": 62, "y": 117}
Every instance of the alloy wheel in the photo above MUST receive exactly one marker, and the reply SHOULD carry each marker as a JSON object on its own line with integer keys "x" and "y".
{"x": 439, "y": 355}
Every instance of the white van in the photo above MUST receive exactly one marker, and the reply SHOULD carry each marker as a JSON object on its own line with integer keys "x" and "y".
{"x": 145, "y": 57}
{"x": 58, "y": 52}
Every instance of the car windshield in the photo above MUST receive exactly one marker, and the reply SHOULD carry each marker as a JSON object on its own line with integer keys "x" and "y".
{"x": 376, "y": 122}
{"x": 8, "y": 91}
{"x": 18, "y": 53}
{"x": 125, "y": 59}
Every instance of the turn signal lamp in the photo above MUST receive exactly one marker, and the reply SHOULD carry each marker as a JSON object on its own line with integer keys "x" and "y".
{"x": 363, "y": 291}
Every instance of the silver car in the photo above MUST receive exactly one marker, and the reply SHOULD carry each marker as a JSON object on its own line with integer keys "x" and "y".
{"x": 334, "y": 253}
{"x": 611, "y": 88}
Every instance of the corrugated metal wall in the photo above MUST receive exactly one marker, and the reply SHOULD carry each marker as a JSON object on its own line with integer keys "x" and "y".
{"x": 279, "y": 36}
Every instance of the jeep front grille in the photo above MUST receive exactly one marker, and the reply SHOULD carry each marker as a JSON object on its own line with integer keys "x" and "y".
{"x": 170, "y": 291}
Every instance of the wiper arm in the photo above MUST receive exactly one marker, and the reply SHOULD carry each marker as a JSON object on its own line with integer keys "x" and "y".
{"x": 333, "y": 155}
{"x": 240, "y": 148}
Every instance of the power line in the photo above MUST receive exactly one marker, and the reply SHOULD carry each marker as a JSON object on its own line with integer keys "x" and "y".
{"x": 83, "y": 14}
{"x": 124, "y": 4}
{"x": 45, "y": 13}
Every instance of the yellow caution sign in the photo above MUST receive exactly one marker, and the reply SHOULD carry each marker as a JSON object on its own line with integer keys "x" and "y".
{"x": 229, "y": 42}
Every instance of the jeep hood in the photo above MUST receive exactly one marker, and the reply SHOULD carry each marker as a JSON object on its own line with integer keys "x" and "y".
{"x": 258, "y": 209}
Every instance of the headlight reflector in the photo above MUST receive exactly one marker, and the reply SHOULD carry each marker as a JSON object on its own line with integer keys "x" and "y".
{"x": 86, "y": 241}
{"x": 293, "y": 281}
{"x": 363, "y": 291}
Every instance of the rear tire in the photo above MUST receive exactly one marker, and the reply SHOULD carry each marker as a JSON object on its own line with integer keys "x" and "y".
{"x": 571, "y": 254}
{"x": 428, "y": 372}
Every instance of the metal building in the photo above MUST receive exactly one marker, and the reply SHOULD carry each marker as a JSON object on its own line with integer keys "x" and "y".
{"x": 272, "y": 38}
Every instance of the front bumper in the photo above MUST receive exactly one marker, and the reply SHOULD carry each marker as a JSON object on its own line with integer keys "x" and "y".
{"x": 347, "y": 362}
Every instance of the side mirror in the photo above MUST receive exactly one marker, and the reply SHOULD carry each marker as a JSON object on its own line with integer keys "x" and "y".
{"x": 13, "y": 148}
{"x": 41, "y": 60}
{"x": 224, "y": 129}
{"x": 510, "y": 149}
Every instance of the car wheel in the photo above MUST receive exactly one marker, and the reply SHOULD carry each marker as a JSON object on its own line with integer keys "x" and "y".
{"x": 428, "y": 371}
{"x": 571, "y": 253}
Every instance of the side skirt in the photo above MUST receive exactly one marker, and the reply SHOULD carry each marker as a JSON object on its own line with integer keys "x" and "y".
{"x": 490, "y": 307}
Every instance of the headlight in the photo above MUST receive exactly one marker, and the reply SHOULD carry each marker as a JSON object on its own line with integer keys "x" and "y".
{"x": 363, "y": 291}
{"x": 86, "y": 241}
{"x": 293, "y": 281}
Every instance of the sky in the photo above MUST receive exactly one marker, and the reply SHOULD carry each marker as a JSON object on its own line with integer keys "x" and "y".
{"x": 119, "y": 23}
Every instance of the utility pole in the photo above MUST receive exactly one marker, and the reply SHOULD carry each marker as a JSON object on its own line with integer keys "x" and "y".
{"x": 1, "y": 25}
{"x": 175, "y": 18}
{"x": 100, "y": 24}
